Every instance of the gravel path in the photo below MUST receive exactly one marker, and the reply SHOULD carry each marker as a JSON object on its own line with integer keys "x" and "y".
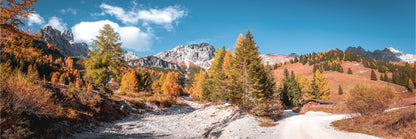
{"x": 312, "y": 125}
{"x": 223, "y": 121}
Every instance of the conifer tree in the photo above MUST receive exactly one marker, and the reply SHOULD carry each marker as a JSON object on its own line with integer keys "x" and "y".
{"x": 196, "y": 90}
{"x": 381, "y": 77}
{"x": 320, "y": 86}
{"x": 284, "y": 92}
{"x": 250, "y": 80}
{"x": 340, "y": 92}
{"x": 170, "y": 86}
{"x": 105, "y": 58}
{"x": 144, "y": 80}
{"x": 226, "y": 67}
{"x": 386, "y": 78}
{"x": 213, "y": 83}
{"x": 55, "y": 77}
{"x": 410, "y": 85}
{"x": 63, "y": 79}
{"x": 305, "y": 87}
{"x": 157, "y": 86}
{"x": 349, "y": 71}
{"x": 129, "y": 82}
{"x": 373, "y": 75}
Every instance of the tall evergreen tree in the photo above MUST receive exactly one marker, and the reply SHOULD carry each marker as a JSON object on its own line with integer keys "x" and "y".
{"x": 284, "y": 91}
{"x": 170, "y": 86}
{"x": 144, "y": 80}
{"x": 214, "y": 82}
{"x": 349, "y": 71}
{"x": 305, "y": 88}
{"x": 251, "y": 79}
{"x": 105, "y": 58}
{"x": 340, "y": 92}
{"x": 196, "y": 90}
{"x": 129, "y": 82}
{"x": 157, "y": 86}
{"x": 386, "y": 78}
{"x": 373, "y": 75}
{"x": 410, "y": 85}
{"x": 320, "y": 86}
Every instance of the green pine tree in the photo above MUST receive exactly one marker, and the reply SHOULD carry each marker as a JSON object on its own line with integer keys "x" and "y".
{"x": 250, "y": 79}
{"x": 105, "y": 58}
{"x": 373, "y": 75}
{"x": 213, "y": 84}
{"x": 349, "y": 71}
{"x": 340, "y": 92}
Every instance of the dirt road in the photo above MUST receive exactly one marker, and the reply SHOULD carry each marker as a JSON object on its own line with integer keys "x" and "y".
{"x": 222, "y": 121}
{"x": 312, "y": 125}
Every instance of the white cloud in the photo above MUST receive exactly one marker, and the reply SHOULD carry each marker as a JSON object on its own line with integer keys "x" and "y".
{"x": 165, "y": 16}
{"x": 69, "y": 10}
{"x": 131, "y": 37}
{"x": 57, "y": 23}
{"x": 35, "y": 18}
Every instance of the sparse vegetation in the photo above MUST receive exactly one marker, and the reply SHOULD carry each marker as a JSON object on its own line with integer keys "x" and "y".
{"x": 368, "y": 100}
{"x": 395, "y": 124}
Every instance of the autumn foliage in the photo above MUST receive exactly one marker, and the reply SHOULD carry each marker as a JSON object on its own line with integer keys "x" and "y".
{"x": 129, "y": 82}
{"x": 368, "y": 100}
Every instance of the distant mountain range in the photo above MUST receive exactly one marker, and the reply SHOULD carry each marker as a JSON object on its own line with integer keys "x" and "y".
{"x": 195, "y": 55}
{"x": 64, "y": 41}
{"x": 388, "y": 54}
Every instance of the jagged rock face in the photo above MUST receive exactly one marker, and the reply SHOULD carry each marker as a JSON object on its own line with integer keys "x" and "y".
{"x": 199, "y": 54}
{"x": 64, "y": 41}
{"x": 388, "y": 54}
{"x": 271, "y": 59}
{"x": 152, "y": 61}
{"x": 130, "y": 56}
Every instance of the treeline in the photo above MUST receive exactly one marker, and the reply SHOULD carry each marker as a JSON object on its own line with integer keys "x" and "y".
{"x": 403, "y": 73}
{"x": 240, "y": 79}
{"x": 295, "y": 89}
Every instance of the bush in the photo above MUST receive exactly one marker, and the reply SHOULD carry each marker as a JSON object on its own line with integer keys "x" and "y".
{"x": 164, "y": 101}
{"x": 369, "y": 100}
{"x": 22, "y": 99}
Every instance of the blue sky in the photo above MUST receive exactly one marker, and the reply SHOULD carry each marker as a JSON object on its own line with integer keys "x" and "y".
{"x": 279, "y": 26}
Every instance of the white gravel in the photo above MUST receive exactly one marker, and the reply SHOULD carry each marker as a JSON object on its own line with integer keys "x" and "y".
{"x": 223, "y": 121}
{"x": 312, "y": 125}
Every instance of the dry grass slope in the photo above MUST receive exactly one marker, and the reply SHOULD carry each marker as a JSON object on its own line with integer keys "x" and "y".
{"x": 360, "y": 75}
{"x": 395, "y": 124}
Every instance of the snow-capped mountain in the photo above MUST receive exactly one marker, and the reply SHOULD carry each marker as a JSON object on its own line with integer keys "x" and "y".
{"x": 388, "y": 54}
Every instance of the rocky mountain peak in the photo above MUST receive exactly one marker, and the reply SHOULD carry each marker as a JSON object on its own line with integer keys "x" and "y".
{"x": 68, "y": 35}
{"x": 152, "y": 61}
{"x": 199, "y": 54}
{"x": 391, "y": 49}
{"x": 64, "y": 41}
{"x": 387, "y": 54}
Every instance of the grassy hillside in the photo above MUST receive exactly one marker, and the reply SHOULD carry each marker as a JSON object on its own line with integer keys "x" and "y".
{"x": 360, "y": 75}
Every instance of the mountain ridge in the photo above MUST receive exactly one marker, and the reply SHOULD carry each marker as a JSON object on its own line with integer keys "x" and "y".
{"x": 199, "y": 54}
{"x": 387, "y": 54}
{"x": 64, "y": 41}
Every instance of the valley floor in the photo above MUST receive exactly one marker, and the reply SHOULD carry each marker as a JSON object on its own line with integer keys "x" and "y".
{"x": 221, "y": 121}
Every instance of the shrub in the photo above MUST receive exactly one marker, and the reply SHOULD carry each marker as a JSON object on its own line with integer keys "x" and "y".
{"x": 20, "y": 99}
{"x": 369, "y": 100}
